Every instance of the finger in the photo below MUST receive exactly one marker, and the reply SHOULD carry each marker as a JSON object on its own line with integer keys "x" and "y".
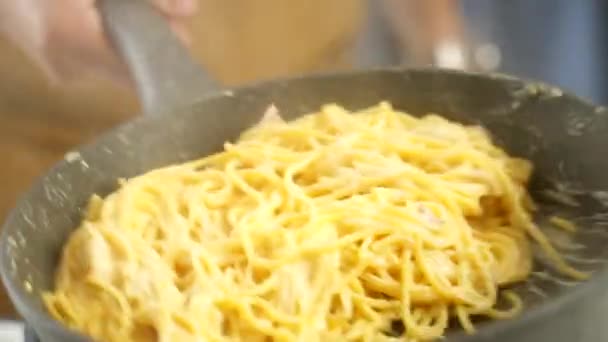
{"x": 177, "y": 8}
{"x": 72, "y": 29}
{"x": 181, "y": 31}
{"x": 76, "y": 43}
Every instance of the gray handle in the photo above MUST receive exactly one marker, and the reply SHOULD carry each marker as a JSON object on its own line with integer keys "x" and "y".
{"x": 165, "y": 75}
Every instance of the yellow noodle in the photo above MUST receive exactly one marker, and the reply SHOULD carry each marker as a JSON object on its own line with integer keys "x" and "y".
{"x": 563, "y": 223}
{"x": 330, "y": 227}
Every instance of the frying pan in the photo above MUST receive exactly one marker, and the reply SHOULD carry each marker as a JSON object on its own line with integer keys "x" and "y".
{"x": 189, "y": 118}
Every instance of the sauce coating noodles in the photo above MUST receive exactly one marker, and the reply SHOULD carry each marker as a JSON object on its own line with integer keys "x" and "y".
{"x": 327, "y": 228}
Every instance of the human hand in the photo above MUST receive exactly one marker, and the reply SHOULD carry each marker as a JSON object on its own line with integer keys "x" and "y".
{"x": 66, "y": 37}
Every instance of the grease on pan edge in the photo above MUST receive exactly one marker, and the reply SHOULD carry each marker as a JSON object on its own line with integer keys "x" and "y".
{"x": 75, "y": 156}
{"x": 72, "y": 156}
{"x": 537, "y": 90}
{"x": 560, "y": 197}
{"x": 601, "y": 196}
{"x": 27, "y": 286}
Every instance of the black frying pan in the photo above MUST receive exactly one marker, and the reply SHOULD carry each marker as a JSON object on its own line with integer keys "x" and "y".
{"x": 562, "y": 134}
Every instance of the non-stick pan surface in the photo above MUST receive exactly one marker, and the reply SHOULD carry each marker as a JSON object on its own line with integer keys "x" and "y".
{"x": 563, "y": 136}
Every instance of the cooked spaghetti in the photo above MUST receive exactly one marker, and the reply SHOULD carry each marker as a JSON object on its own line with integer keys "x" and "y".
{"x": 331, "y": 227}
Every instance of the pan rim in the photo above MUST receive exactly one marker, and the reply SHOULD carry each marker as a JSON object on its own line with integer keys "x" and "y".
{"x": 20, "y": 298}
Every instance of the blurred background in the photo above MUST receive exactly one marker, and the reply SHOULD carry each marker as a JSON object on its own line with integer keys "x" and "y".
{"x": 558, "y": 41}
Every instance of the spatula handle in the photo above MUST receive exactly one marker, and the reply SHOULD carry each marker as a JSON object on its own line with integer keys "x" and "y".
{"x": 165, "y": 75}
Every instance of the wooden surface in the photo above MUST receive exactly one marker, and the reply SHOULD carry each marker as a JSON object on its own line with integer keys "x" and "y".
{"x": 238, "y": 41}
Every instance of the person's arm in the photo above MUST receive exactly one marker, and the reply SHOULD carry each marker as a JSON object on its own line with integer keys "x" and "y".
{"x": 65, "y": 37}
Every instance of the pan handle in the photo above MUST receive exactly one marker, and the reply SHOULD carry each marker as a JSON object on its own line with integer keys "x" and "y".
{"x": 165, "y": 75}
